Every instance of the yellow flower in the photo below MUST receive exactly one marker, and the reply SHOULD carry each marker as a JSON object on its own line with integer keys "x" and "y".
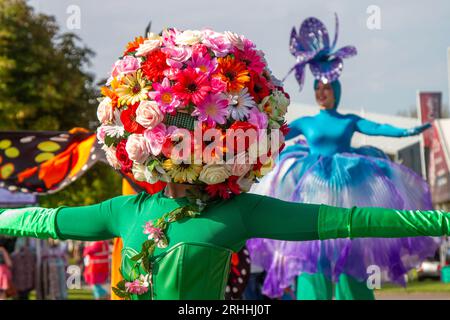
{"x": 183, "y": 172}
{"x": 133, "y": 89}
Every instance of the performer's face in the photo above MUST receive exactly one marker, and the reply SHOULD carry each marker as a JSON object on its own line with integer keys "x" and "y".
{"x": 325, "y": 96}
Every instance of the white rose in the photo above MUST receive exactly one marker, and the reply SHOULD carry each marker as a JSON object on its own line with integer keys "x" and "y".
{"x": 148, "y": 114}
{"x": 110, "y": 153}
{"x": 189, "y": 38}
{"x": 138, "y": 171}
{"x": 105, "y": 113}
{"x": 240, "y": 165}
{"x": 137, "y": 148}
{"x": 153, "y": 42}
{"x": 142, "y": 173}
{"x": 214, "y": 174}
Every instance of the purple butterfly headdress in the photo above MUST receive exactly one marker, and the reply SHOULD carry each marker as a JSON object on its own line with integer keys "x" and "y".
{"x": 312, "y": 46}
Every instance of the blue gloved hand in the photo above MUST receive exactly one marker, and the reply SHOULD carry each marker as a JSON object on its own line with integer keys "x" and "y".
{"x": 418, "y": 130}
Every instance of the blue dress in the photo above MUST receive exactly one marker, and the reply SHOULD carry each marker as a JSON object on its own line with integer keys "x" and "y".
{"x": 329, "y": 171}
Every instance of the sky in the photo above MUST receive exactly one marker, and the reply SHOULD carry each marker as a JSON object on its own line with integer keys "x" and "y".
{"x": 405, "y": 52}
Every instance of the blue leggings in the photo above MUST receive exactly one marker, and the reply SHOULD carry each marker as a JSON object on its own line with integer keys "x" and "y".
{"x": 98, "y": 291}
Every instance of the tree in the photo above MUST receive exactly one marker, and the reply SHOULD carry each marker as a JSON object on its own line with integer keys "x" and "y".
{"x": 411, "y": 112}
{"x": 44, "y": 85}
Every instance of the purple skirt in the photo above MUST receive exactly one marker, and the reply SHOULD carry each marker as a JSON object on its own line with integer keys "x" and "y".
{"x": 343, "y": 180}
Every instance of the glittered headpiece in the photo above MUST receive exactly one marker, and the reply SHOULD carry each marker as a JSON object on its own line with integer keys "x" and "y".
{"x": 311, "y": 45}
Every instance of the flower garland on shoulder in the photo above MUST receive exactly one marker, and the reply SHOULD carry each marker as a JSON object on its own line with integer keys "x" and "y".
{"x": 165, "y": 89}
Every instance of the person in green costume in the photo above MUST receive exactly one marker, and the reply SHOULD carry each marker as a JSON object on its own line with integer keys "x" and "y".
{"x": 195, "y": 264}
{"x": 178, "y": 242}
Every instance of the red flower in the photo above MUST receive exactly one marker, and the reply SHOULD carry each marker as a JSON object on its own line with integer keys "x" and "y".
{"x": 225, "y": 189}
{"x": 258, "y": 87}
{"x": 218, "y": 190}
{"x": 155, "y": 65}
{"x": 134, "y": 45}
{"x": 233, "y": 136}
{"x": 122, "y": 156}
{"x": 251, "y": 58}
{"x": 285, "y": 129}
{"x": 128, "y": 118}
{"x": 232, "y": 185}
{"x": 191, "y": 86}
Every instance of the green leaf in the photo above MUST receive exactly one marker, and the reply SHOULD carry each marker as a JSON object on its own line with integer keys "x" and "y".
{"x": 137, "y": 257}
{"x": 121, "y": 285}
{"x": 121, "y": 294}
{"x": 109, "y": 141}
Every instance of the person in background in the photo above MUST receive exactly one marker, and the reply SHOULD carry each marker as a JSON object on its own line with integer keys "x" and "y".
{"x": 96, "y": 262}
{"x": 24, "y": 268}
{"x": 5, "y": 273}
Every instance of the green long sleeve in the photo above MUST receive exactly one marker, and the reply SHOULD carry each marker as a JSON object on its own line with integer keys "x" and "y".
{"x": 381, "y": 223}
{"x": 29, "y": 222}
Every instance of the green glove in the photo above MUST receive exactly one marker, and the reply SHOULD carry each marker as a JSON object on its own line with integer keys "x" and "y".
{"x": 29, "y": 222}
{"x": 381, "y": 223}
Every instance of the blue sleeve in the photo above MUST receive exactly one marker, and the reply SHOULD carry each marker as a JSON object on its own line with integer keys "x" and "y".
{"x": 294, "y": 129}
{"x": 371, "y": 128}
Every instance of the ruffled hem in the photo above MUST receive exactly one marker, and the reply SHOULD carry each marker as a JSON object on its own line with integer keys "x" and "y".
{"x": 343, "y": 180}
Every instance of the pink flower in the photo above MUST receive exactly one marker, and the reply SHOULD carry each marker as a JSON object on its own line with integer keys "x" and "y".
{"x": 177, "y": 55}
{"x": 148, "y": 114}
{"x": 241, "y": 165}
{"x": 155, "y": 234}
{"x": 252, "y": 58}
{"x": 235, "y": 39}
{"x": 164, "y": 96}
{"x": 137, "y": 148}
{"x": 156, "y": 138}
{"x": 171, "y": 73}
{"x": 212, "y": 110}
{"x": 169, "y": 36}
{"x": 191, "y": 86}
{"x": 203, "y": 63}
{"x": 200, "y": 49}
{"x": 128, "y": 64}
{"x": 258, "y": 118}
{"x": 138, "y": 286}
{"x": 217, "y": 42}
{"x": 105, "y": 112}
{"x": 218, "y": 85}
{"x": 101, "y": 134}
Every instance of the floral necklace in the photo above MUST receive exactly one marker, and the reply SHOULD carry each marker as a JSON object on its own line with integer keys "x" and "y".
{"x": 157, "y": 238}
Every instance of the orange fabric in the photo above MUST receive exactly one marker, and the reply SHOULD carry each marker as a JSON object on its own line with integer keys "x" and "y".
{"x": 53, "y": 171}
{"x": 83, "y": 153}
{"x": 117, "y": 248}
{"x": 118, "y": 244}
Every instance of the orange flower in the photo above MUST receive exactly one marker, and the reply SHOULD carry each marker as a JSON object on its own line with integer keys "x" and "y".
{"x": 234, "y": 73}
{"x": 111, "y": 94}
{"x": 134, "y": 45}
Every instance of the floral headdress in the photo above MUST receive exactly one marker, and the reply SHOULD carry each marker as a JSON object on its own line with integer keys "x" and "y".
{"x": 167, "y": 90}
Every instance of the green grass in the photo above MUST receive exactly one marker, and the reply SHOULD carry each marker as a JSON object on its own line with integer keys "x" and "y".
{"x": 73, "y": 294}
{"x": 426, "y": 286}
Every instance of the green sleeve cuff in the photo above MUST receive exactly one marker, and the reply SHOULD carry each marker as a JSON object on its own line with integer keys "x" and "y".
{"x": 32, "y": 222}
{"x": 357, "y": 222}
{"x": 334, "y": 222}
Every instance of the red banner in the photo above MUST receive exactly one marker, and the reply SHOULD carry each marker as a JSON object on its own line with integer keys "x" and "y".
{"x": 430, "y": 108}
{"x": 438, "y": 169}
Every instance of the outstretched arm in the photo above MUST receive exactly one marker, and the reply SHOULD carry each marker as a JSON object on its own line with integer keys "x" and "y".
{"x": 377, "y": 129}
{"x": 294, "y": 129}
{"x": 88, "y": 223}
{"x": 275, "y": 219}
